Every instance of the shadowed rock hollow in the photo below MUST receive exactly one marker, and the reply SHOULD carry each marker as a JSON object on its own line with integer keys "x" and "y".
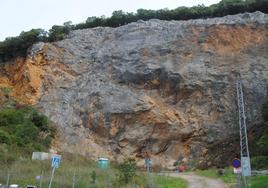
{"x": 163, "y": 87}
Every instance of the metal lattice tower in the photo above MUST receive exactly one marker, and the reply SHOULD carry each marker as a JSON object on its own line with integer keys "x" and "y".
{"x": 245, "y": 159}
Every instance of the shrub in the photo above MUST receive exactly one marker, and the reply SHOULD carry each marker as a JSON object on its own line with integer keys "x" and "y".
{"x": 4, "y": 137}
{"x": 25, "y": 130}
{"x": 259, "y": 162}
{"x": 58, "y": 32}
{"x": 93, "y": 176}
{"x": 262, "y": 143}
{"x": 13, "y": 47}
{"x": 127, "y": 170}
{"x": 10, "y": 117}
{"x": 25, "y": 134}
{"x": 40, "y": 121}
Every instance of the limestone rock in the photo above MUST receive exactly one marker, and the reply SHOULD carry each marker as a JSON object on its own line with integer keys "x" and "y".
{"x": 163, "y": 87}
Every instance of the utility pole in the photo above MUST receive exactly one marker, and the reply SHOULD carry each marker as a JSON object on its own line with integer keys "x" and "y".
{"x": 245, "y": 159}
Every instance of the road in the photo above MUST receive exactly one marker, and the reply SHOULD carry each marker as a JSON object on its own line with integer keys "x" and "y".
{"x": 195, "y": 181}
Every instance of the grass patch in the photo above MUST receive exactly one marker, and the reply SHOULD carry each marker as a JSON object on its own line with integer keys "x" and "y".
{"x": 24, "y": 171}
{"x": 170, "y": 182}
{"x": 260, "y": 181}
{"x": 77, "y": 168}
{"x": 227, "y": 177}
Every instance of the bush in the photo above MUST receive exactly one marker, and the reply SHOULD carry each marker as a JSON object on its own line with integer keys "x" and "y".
{"x": 127, "y": 170}
{"x": 10, "y": 117}
{"x": 262, "y": 143}
{"x": 25, "y": 134}
{"x": 13, "y": 47}
{"x": 40, "y": 121}
{"x": 24, "y": 129}
{"x": 4, "y": 137}
{"x": 259, "y": 162}
{"x": 93, "y": 176}
{"x": 58, "y": 32}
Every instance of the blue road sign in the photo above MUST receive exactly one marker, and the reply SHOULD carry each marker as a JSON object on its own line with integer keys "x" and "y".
{"x": 236, "y": 163}
{"x": 55, "y": 162}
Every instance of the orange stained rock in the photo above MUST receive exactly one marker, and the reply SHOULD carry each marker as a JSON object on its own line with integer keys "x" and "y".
{"x": 26, "y": 77}
{"x": 232, "y": 39}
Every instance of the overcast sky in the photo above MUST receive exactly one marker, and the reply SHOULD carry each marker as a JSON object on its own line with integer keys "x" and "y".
{"x": 23, "y": 15}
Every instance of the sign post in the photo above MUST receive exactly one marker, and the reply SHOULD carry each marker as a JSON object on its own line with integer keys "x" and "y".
{"x": 55, "y": 163}
{"x": 237, "y": 170}
{"x": 148, "y": 164}
{"x": 8, "y": 176}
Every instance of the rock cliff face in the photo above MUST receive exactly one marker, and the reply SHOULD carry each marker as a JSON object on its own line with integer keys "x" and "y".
{"x": 163, "y": 87}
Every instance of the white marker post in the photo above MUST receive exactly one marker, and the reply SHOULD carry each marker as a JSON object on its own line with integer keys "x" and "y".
{"x": 55, "y": 163}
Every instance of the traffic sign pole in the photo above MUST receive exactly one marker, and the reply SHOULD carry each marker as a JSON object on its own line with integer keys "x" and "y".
{"x": 55, "y": 163}
{"x": 8, "y": 176}
{"x": 52, "y": 176}
{"x": 238, "y": 180}
{"x": 40, "y": 182}
{"x": 237, "y": 170}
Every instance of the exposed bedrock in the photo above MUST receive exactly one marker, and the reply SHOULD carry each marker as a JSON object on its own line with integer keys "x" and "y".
{"x": 163, "y": 87}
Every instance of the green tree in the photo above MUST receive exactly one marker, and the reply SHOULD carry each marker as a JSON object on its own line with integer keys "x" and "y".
{"x": 13, "y": 47}
{"x": 145, "y": 14}
{"x": 58, "y": 32}
{"x": 127, "y": 170}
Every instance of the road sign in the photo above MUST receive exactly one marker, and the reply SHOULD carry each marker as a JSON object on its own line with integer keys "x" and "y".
{"x": 237, "y": 170}
{"x": 236, "y": 163}
{"x": 55, "y": 162}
